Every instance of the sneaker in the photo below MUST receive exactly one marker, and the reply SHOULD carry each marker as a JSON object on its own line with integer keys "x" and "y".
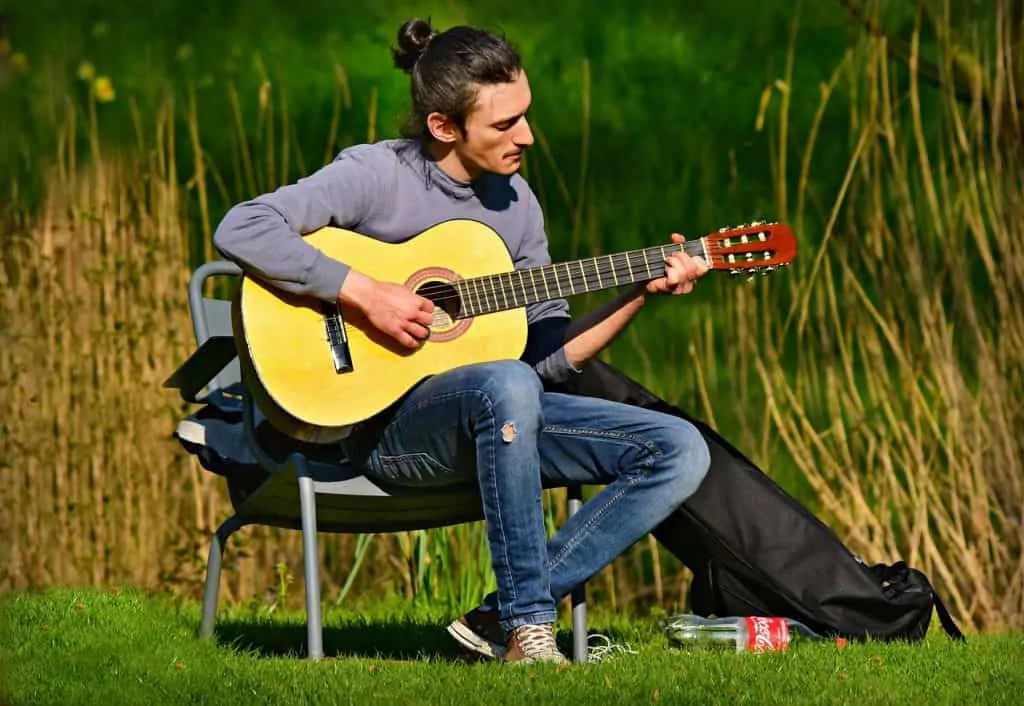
{"x": 533, "y": 643}
{"x": 479, "y": 632}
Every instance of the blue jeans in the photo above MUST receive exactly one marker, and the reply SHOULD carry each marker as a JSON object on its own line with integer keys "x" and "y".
{"x": 494, "y": 424}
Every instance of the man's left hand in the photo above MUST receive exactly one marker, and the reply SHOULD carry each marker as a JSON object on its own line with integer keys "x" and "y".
{"x": 681, "y": 272}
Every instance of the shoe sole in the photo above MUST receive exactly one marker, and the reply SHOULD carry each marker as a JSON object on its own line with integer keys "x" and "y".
{"x": 473, "y": 642}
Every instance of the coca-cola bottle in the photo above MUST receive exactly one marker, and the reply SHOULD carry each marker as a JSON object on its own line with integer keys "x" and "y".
{"x": 739, "y": 634}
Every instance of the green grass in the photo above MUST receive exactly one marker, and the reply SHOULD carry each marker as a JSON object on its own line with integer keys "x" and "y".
{"x": 89, "y": 647}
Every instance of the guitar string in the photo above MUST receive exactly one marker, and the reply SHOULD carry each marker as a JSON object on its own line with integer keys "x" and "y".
{"x": 704, "y": 246}
{"x": 606, "y": 267}
{"x": 575, "y": 279}
{"x": 574, "y": 274}
{"x": 488, "y": 296}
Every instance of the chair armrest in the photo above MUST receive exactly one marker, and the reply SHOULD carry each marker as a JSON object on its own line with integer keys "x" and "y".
{"x": 202, "y": 366}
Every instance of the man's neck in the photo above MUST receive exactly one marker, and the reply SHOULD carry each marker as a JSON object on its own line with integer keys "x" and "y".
{"x": 447, "y": 158}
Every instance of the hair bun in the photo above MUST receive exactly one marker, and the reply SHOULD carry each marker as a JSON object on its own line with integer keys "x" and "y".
{"x": 413, "y": 38}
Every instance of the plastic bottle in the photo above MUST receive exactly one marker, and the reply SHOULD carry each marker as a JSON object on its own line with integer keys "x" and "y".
{"x": 739, "y": 634}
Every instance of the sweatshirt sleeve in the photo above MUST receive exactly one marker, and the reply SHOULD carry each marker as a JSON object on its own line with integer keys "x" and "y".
{"x": 547, "y": 321}
{"x": 533, "y": 252}
{"x": 264, "y": 236}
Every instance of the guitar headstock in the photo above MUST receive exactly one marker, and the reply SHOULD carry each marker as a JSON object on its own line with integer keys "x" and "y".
{"x": 752, "y": 248}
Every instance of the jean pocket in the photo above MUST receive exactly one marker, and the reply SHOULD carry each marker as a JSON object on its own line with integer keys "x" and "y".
{"x": 419, "y": 469}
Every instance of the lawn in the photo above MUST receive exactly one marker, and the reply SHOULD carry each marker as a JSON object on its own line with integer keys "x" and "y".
{"x": 68, "y": 646}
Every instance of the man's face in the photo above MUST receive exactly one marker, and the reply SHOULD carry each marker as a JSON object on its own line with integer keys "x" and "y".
{"x": 496, "y": 128}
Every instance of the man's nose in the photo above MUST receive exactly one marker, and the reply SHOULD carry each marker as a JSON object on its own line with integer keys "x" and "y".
{"x": 524, "y": 135}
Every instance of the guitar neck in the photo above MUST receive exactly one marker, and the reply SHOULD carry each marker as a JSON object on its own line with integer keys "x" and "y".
{"x": 511, "y": 290}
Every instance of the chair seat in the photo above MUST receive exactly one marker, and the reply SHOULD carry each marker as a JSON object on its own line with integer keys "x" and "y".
{"x": 349, "y": 502}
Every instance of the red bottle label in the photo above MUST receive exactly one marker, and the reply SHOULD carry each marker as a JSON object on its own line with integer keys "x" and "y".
{"x": 767, "y": 634}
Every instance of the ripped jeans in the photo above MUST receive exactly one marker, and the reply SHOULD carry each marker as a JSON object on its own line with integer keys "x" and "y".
{"x": 493, "y": 424}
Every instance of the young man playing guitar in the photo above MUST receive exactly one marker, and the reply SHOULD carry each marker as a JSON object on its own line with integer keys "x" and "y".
{"x": 491, "y": 423}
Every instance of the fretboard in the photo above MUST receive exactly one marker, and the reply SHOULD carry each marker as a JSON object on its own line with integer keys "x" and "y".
{"x": 509, "y": 290}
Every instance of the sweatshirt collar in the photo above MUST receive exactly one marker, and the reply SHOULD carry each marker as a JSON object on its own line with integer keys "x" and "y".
{"x": 436, "y": 177}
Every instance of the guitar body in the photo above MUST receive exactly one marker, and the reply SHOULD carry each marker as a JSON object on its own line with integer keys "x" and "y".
{"x": 283, "y": 345}
{"x": 315, "y": 370}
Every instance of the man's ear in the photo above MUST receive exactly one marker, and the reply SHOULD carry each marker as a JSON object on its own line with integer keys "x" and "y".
{"x": 442, "y": 128}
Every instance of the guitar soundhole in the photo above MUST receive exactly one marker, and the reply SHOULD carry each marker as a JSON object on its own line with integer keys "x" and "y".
{"x": 437, "y": 285}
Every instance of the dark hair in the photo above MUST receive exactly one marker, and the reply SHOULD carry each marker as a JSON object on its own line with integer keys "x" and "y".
{"x": 446, "y": 69}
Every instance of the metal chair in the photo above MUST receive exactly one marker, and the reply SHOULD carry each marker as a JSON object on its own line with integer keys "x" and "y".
{"x": 302, "y": 493}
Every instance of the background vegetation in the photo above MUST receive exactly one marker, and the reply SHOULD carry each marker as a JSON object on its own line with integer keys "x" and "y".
{"x": 878, "y": 379}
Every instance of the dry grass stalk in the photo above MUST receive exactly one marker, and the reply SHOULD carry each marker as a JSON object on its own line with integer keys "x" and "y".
{"x": 902, "y": 406}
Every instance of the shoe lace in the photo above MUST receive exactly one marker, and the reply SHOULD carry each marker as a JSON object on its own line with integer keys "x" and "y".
{"x": 537, "y": 640}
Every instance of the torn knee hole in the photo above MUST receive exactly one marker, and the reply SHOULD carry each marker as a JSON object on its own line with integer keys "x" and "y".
{"x": 508, "y": 432}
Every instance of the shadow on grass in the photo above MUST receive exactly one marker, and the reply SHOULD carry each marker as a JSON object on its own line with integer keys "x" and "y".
{"x": 391, "y": 640}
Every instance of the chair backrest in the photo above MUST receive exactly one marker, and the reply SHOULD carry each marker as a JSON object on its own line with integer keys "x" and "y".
{"x": 212, "y": 317}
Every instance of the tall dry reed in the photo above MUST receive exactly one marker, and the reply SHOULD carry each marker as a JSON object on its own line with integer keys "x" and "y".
{"x": 94, "y": 319}
{"x": 894, "y": 380}
{"x": 92, "y": 314}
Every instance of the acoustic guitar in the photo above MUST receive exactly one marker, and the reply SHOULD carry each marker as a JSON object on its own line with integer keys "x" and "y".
{"x": 315, "y": 369}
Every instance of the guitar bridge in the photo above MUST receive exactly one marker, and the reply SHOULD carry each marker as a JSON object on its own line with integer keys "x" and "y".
{"x": 337, "y": 341}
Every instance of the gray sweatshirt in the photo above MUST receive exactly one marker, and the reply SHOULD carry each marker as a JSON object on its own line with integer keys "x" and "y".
{"x": 391, "y": 191}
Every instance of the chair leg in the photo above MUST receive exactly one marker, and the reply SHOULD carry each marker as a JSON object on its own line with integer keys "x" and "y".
{"x": 311, "y": 562}
{"x": 213, "y": 567}
{"x": 579, "y": 594}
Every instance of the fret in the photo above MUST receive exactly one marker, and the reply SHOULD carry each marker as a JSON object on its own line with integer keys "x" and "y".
{"x": 500, "y": 281}
{"x": 493, "y": 302}
{"x": 629, "y": 267}
{"x": 463, "y": 305}
{"x": 475, "y": 293}
{"x": 555, "y": 280}
{"x": 533, "y": 281}
{"x": 647, "y": 265}
{"x": 494, "y": 292}
{"x": 465, "y": 308}
{"x": 615, "y": 274}
{"x": 544, "y": 281}
{"x": 583, "y": 274}
{"x": 499, "y": 285}
{"x": 522, "y": 286}
{"x": 572, "y": 289}
{"x": 597, "y": 270}
{"x": 499, "y": 292}
{"x": 487, "y": 299}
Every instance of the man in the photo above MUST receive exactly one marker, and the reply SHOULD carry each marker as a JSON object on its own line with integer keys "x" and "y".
{"x": 493, "y": 423}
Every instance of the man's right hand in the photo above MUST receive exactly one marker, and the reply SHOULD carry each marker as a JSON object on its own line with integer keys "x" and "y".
{"x": 391, "y": 308}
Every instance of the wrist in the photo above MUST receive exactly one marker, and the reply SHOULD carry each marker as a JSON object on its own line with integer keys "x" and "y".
{"x": 355, "y": 290}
